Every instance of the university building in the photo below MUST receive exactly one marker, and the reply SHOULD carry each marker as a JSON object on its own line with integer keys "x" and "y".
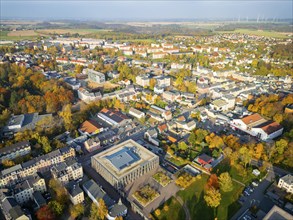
{"x": 124, "y": 163}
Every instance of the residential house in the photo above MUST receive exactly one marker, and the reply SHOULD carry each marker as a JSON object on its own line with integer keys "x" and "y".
{"x": 90, "y": 128}
{"x": 136, "y": 113}
{"x": 94, "y": 76}
{"x": 88, "y": 96}
{"x": 15, "y": 150}
{"x": 75, "y": 193}
{"x": 286, "y": 183}
{"x": 113, "y": 117}
{"x": 92, "y": 144}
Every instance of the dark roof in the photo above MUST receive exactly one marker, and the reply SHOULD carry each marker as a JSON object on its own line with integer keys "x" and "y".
{"x": 8, "y": 204}
{"x": 115, "y": 115}
{"x": 73, "y": 188}
{"x": 39, "y": 199}
{"x": 14, "y": 147}
{"x": 117, "y": 209}
{"x": 16, "y": 212}
{"x": 97, "y": 192}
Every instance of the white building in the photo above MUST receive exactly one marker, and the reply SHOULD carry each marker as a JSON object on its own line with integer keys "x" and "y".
{"x": 143, "y": 80}
{"x": 136, "y": 113}
{"x": 88, "y": 96}
{"x": 286, "y": 183}
{"x": 259, "y": 127}
{"x": 94, "y": 76}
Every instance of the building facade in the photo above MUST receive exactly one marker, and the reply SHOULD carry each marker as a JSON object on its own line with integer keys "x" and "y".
{"x": 286, "y": 183}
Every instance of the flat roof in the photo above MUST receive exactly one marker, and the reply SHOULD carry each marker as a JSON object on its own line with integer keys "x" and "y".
{"x": 124, "y": 157}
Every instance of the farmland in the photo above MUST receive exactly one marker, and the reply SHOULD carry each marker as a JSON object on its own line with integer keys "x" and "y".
{"x": 258, "y": 33}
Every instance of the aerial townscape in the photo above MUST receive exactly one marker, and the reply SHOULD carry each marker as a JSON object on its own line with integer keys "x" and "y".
{"x": 146, "y": 119}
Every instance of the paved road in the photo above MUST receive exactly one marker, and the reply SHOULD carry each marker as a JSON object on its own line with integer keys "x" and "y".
{"x": 257, "y": 195}
{"x": 186, "y": 210}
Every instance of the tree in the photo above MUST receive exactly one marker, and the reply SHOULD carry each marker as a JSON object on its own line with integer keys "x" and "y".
{"x": 213, "y": 182}
{"x": 67, "y": 116}
{"x": 225, "y": 182}
{"x": 76, "y": 210}
{"x": 245, "y": 155}
{"x": 99, "y": 212}
{"x": 56, "y": 207}
{"x": 281, "y": 145}
{"x": 8, "y": 163}
{"x": 212, "y": 197}
{"x": 258, "y": 150}
{"x": 158, "y": 212}
{"x": 45, "y": 213}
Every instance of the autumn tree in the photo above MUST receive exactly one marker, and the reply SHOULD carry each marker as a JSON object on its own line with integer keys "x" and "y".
{"x": 45, "y": 213}
{"x": 76, "y": 210}
{"x": 225, "y": 182}
{"x": 213, "y": 182}
{"x": 245, "y": 155}
{"x": 67, "y": 116}
{"x": 98, "y": 212}
{"x": 212, "y": 197}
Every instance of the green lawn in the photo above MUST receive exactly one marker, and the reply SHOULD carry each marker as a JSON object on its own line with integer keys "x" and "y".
{"x": 178, "y": 162}
{"x": 193, "y": 196}
{"x": 234, "y": 173}
{"x": 175, "y": 211}
{"x": 264, "y": 33}
{"x": 4, "y": 36}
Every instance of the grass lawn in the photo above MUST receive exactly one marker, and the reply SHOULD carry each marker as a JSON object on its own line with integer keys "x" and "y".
{"x": 177, "y": 162}
{"x": 162, "y": 178}
{"x": 193, "y": 196}
{"x": 175, "y": 211}
{"x": 258, "y": 33}
{"x": 234, "y": 173}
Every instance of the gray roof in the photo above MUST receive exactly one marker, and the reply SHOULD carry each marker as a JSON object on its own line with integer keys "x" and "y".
{"x": 117, "y": 209}
{"x": 11, "y": 169}
{"x": 73, "y": 188}
{"x": 14, "y": 147}
{"x": 16, "y": 212}
{"x": 39, "y": 199}
{"x": 8, "y": 204}
{"x": 123, "y": 157}
{"x": 98, "y": 193}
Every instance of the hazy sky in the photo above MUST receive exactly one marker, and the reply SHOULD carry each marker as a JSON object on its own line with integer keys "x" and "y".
{"x": 131, "y": 10}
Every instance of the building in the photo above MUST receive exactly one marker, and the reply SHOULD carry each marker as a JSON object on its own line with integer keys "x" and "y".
{"x": 16, "y": 150}
{"x": 39, "y": 199}
{"x": 19, "y": 123}
{"x": 113, "y": 117}
{"x": 88, "y": 96}
{"x": 92, "y": 144}
{"x": 90, "y": 128}
{"x": 286, "y": 183}
{"x": 96, "y": 193}
{"x": 11, "y": 210}
{"x": 23, "y": 191}
{"x": 276, "y": 213}
{"x": 76, "y": 194}
{"x": 159, "y": 55}
{"x": 40, "y": 164}
{"x": 124, "y": 163}
{"x": 94, "y": 76}
{"x": 143, "y": 80}
{"x": 67, "y": 171}
{"x": 163, "y": 81}
{"x": 136, "y": 113}
{"x": 259, "y": 127}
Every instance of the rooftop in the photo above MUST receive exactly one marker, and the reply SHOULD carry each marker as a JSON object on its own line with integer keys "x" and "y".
{"x": 124, "y": 157}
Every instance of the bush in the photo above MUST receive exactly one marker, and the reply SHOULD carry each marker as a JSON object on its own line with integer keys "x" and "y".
{"x": 158, "y": 212}
{"x": 166, "y": 208}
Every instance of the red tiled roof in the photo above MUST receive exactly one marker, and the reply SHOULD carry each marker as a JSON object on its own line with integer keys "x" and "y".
{"x": 251, "y": 118}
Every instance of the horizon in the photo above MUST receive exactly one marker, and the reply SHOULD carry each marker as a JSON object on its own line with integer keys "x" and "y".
{"x": 147, "y": 10}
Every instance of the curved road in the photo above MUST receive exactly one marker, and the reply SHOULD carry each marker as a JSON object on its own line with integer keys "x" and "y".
{"x": 184, "y": 207}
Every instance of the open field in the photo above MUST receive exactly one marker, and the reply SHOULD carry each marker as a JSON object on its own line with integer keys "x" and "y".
{"x": 71, "y": 31}
{"x": 18, "y": 35}
{"x": 259, "y": 33}
{"x": 106, "y": 86}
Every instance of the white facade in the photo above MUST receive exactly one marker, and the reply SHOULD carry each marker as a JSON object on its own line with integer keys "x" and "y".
{"x": 286, "y": 183}
{"x": 136, "y": 113}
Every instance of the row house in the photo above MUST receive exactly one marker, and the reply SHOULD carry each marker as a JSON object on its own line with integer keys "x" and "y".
{"x": 40, "y": 164}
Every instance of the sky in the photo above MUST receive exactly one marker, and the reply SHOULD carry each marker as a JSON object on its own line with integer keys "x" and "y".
{"x": 145, "y": 10}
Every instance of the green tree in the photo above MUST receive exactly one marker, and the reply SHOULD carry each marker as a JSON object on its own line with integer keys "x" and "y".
{"x": 225, "y": 181}
{"x": 56, "y": 207}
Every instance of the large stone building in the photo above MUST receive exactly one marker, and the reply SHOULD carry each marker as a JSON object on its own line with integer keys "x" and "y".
{"x": 124, "y": 163}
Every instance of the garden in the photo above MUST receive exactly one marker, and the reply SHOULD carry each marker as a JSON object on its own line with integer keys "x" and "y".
{"x": 145, "y": 195}
{"x": 162, "y": 178}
